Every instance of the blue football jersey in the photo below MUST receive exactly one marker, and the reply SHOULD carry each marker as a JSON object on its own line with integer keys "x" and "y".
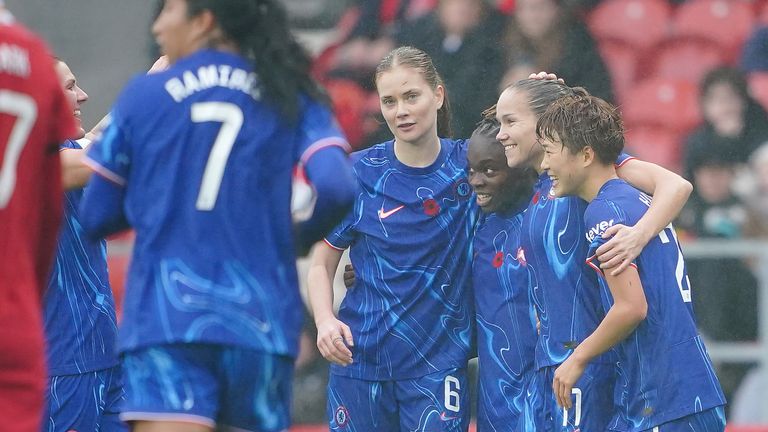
{"x": 206, "y": 168}
{"x": 565, "y": 295}
{"x": 663, "y": 369}
{"x": 410, "y": 233}
{"x": 506, "y": 322}
{"x": 79, "y": 309}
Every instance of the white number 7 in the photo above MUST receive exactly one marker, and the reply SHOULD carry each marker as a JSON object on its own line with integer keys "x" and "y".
{"x": 231, "y": 118}
{"x": 577, "y": 406}
{"x": 24, "y": 109}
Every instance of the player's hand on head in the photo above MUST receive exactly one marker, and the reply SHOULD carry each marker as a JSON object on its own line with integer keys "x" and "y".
{"x": 546, "y": 76}
{"x": 624, "y": 245}
{"x": 334, "y": 338}
{"x": 566, "y": 376}
{"x": 349, "y": 276}
{"x": 160, "y": 65}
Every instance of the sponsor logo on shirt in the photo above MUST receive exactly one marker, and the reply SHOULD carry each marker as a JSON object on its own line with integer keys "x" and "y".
{"x": 598, "y": 229}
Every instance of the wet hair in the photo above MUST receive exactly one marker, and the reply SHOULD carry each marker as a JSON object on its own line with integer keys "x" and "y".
{"x": 419, "y": 60}
{"x": 581, "y": 121}
{"x": 489, "y": 125}
{"x": 260, "y": 30}
{"x": 543, "y": 93}
{"x": 729, "y": 75}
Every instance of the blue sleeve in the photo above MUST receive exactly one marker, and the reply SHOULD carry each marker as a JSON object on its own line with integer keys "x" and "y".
{"x": 318, "y": 129}
{"x": 622, "y": 159}
{"x": 598, "y": 217}
{"x": 330, "y": 174}
{"x": 102, "y": 207}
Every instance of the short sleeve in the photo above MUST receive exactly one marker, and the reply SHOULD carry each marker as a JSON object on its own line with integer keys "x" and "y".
{"x": 622, "y": 159}
{"x": 343, "y": 235}
{"x": 110, "y": 156}
{"x": 598, "y": 217}
{"x": 318, "y": 129}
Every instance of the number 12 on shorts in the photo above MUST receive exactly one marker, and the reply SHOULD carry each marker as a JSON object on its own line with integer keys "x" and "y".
{"x": 450, "y": 389}
{"x": 576, "y": 406}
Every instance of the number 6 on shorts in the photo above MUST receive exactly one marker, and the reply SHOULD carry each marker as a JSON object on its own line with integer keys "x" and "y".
{"x": 451, "y": 385}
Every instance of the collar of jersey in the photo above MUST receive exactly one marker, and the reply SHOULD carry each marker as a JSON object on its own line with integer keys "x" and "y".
{"x": 445, "y": 146}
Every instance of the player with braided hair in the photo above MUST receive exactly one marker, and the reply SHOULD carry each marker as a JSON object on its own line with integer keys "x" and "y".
{"x": 198, "y": 159}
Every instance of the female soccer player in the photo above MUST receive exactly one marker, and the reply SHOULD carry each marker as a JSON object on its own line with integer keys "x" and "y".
{"x": 409, "y": 321}
{"x": 198, "y": 159}
{"x": 665, "y": 379}
{"x": 506, "y": 323}
{"x": 554, "y": 249}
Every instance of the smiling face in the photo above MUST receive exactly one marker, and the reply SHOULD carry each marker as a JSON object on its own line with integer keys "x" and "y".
{"x": 493, "y": 181}
{"x": 518, "y": 130}
{"x": 409, "y": 105}
{"x": 75, "y": 95}
{"x": 565, "y": 169}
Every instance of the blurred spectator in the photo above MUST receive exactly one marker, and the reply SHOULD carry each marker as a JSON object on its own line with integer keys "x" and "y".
{"x": 724, "y": 289}
{"x": 545, "y": 35}
{"x": 754, "y": 56}
{"x": 371, "y": 38}
{"x": 733, "y": 120}
{"x": 753, "y": 189}
{"x": 315, "y": 14}
{"x": 462, "y": 36}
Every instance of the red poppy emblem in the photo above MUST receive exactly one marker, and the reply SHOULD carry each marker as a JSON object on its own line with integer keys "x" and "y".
{"x": 431, "y": 207}
{"x": 535, "y": 198}
{"x": 498, "y": 259}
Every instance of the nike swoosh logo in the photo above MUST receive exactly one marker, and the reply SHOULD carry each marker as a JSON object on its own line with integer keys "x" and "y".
{"x": 385, "y": 214}
{"x": 445, "y": 417}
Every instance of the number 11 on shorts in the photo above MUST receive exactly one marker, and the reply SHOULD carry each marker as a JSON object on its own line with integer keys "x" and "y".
{"x": 576, "y": 406}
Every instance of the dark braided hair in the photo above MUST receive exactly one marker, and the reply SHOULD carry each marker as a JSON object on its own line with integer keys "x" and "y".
{"x": 419, "y": 60}
{"x": 260, "y": 30}
{"x": 488, "y": 125}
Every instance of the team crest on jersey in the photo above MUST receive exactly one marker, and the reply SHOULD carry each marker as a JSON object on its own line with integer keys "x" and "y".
{"x": 551, "y": 194}
{"x": 341, "y": 416}
{"x": 521, "y": 256}
{"x": 462, "y": 188}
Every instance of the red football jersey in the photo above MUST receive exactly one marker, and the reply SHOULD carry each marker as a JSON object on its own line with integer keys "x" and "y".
{"x": 34, "y": 118}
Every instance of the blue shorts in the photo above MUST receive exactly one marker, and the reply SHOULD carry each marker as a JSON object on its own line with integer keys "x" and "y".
{"x": 435, "y": 402}
{"x": 592, "y": 402}
{"x": 711, "y": 420}
{"x": 208, "y": 384}
{"x": 85, "y": 402}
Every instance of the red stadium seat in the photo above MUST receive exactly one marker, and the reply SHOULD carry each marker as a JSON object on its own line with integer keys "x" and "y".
{"x": 758, "y": 87}
{"x": 657, "y": 145}
{"x": 725, "y": 22}
{"x": 639, "y": 23}
{"x": 348, "y": 101}
{"x": 622, "y": 62}
{"x": 669, "y": 103}
{"x": 686, "y": 59}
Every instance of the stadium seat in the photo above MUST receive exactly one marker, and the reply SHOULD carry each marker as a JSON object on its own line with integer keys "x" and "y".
{"x": 758, "y": 87}
{"x": 653, "y": 144}
{"x": 638, "y": 23}
{"x": 686, "y": 59}
{"x": 348, "y": 101}
{"x": 727, "y": 23}
{"x": 622, "y": 61}
{"x": 669, "y": 103}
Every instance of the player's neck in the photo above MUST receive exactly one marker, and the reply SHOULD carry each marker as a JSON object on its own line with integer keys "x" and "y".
{"x": 419, "y": 154}
{"x": 597, "y": 176}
